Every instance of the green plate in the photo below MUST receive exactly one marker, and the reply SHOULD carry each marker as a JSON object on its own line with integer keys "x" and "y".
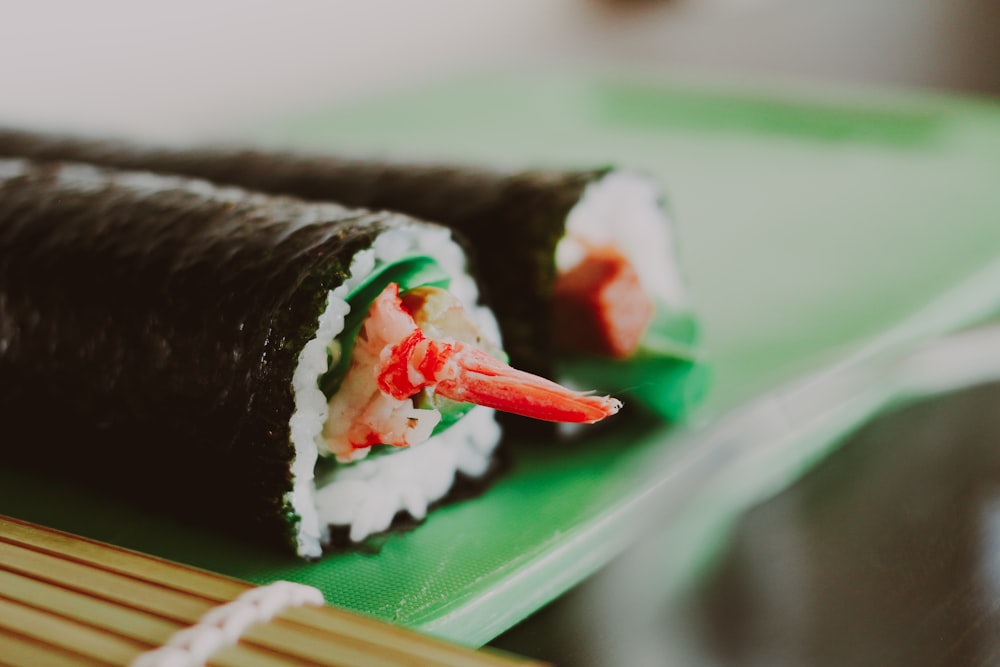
{"x": 810, "y": 225}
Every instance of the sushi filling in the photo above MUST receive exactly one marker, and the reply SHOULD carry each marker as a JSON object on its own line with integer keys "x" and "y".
{"x": 365, "y": 411}
{"x": 357, "y": 495}
{"x": 394, "y": 369}
{"x": 611, "y": 275}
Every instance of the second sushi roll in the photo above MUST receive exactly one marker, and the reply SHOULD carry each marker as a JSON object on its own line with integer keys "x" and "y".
{"x": 258, "y": 363}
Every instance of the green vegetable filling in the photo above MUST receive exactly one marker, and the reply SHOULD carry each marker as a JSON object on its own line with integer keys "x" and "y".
{"x": 667, "y": 374}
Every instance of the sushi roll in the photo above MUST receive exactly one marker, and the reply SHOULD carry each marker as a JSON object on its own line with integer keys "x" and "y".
{"x": 258, "y": 363}
{"x": 580, "y": 267}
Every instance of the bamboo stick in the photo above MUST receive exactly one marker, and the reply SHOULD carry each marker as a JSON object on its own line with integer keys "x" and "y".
{"x": 108, "y": 557}
{"x": 129, "y": 623}
{"x": 240, "y": 655}
{"x": 67, "y": 634}
{"x": 19, "y": 651}
{"x": 345, "y": 624}
{"x": 130, "y": 592}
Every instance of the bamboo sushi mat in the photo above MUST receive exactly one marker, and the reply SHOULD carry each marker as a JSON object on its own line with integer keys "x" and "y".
{"x": 67, "y": 600}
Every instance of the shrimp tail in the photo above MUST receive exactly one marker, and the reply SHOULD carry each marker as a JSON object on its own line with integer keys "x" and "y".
{"x": 476, "y": 377}
{"x": 467, "y": 374}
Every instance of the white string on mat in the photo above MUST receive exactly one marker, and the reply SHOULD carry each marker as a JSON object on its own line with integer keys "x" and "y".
{"x": 225, "y": 624}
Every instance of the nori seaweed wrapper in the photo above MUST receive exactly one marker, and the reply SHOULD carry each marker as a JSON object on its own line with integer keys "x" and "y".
{"x": 149, "y": 329}
{"x": 512, "y": 221}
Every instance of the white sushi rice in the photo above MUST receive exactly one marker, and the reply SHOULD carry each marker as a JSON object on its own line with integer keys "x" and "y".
{"x": 624, "y": 209}
{"x": 366, "y": 495}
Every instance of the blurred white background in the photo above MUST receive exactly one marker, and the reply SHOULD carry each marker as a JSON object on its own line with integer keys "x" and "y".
{"x": 190, "y": 68}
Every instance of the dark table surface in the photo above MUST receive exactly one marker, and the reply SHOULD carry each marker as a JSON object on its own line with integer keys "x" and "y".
{"x": 886, "y": 553}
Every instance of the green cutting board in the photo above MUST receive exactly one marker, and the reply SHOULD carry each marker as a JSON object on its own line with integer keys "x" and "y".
{"x": 809, "y": 223}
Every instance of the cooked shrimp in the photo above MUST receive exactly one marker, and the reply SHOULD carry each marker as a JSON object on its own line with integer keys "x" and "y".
{"x": 394, "y": 360}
